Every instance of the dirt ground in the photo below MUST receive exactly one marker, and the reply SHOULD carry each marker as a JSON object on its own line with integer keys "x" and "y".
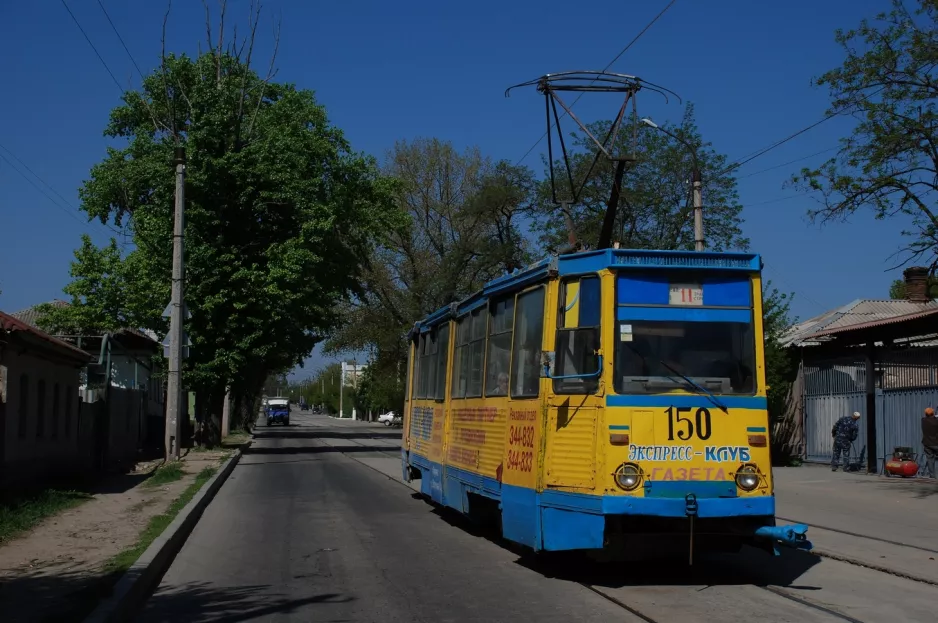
{"x": 59, "y": 565}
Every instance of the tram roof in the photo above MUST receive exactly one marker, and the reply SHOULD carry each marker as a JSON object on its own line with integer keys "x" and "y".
{"x": 586, "y": 262}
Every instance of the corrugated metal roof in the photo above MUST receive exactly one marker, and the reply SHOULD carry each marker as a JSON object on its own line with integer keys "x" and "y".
{"x": 31, "y": 317}
{"x": 879, "y": 323}
{"x": 11, "y": 325}
{"x": 859, "y": 312}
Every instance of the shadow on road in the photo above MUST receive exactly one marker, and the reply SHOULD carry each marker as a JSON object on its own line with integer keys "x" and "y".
{"x": 254, "y": 450}
{"x": 201, "y": 602}
{"x": 749, "y": 567}
{"x": 276, "y": 432}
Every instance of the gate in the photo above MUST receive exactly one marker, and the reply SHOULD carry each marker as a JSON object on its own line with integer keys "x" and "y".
{"x": 832, "y": 389}
{"x": 906, "y": 383}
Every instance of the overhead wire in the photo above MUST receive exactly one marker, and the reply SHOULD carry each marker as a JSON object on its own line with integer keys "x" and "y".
{"x": 56, "y": 202}
{"x": 785, "y": 164}
{"x": 98, "y": 54}
{"x": 610, "y": 64}
{"x": 119, "y": 38}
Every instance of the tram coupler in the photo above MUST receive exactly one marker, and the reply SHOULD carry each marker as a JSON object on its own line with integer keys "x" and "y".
{"x": 794, "y": 536}
{"x": 690, "y": 509}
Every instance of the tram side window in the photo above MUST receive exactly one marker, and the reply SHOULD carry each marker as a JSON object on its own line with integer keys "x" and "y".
{"x": 578, "y": 328}
{"x": 526, "y": 351}
{"x": 415, "y": 368}
{"x": 476, "y": 352}
{"x": 461, "y": 358}
{"x": 467, "y": 356}
{"x": 427, "y": 365}
{"x": 442, "y": 355}
{"x": 498, "y": 356}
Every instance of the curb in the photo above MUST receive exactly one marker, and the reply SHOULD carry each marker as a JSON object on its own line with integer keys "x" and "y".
{"x": 134, "y": 588}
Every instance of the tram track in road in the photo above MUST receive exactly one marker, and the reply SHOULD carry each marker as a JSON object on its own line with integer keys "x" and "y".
{"x": 668, "y": 618}
{"x": 861, "y": 536}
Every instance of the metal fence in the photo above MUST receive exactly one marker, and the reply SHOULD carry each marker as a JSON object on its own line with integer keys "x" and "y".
{"x": 906, "y": 383}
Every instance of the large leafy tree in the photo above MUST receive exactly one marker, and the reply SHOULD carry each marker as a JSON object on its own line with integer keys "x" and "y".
{"x": 281, "y": 216}
{"x": 889, "y": 164}
{"x": 462, "y": 230}
{"x": 655, "y": 209}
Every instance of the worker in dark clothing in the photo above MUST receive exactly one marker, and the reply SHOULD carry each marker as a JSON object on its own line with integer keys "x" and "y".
{"x": 930, "y": 440}
{"x": 845, "y": 432}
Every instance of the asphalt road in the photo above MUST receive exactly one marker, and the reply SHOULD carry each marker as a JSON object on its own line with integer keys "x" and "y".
{"x": 308, "y": 528}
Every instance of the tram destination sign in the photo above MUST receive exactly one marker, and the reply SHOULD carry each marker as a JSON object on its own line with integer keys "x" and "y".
{"x": 685, "y": 294}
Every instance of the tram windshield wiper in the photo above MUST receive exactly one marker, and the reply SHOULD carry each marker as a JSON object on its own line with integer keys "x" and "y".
{"x": 699, "y": 388}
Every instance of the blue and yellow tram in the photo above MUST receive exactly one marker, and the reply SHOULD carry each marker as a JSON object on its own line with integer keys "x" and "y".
{"x": 603, "y": 400}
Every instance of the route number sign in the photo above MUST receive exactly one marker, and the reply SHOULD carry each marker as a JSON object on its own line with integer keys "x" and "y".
{"x": 685, "y": 294}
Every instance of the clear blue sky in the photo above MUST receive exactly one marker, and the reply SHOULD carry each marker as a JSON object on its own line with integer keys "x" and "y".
{"x": 398, "y": 70}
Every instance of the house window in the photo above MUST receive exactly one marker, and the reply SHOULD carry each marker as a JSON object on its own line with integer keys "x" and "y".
{"x": 40, "y": 408}
{"x": 68, "y": 411}
{"x": 24, "y": 404}
{"x": 55, "y": 411}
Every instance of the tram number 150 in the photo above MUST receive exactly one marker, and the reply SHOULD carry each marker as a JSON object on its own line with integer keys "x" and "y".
{"x": 680, "y": 420}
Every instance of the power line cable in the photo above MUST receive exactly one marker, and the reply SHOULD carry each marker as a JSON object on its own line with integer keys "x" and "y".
{"x": 793, "y": 289}
{"x": 765, "y": 150}
{"x": 779, "y": 143}
{"x": 58, "y": 203}
{"x": 610, "y": 64}
{"x": 785, "y": 164}
{"x": 119, "y": 38}
{"x": 762, "y": 203}
{"x": 88, "y": 39}
{"x": 47, "y": 195}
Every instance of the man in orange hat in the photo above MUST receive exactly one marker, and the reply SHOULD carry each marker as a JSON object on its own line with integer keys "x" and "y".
{"x": 930, "y": 440}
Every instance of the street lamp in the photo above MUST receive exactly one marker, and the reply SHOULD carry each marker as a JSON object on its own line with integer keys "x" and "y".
{"x": 698, "y": 200}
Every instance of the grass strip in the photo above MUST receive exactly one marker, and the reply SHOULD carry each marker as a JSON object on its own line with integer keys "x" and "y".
{"x": 157, "y": 524}
{"x": 22, "y": 514}
{"x": 165, "y": 474}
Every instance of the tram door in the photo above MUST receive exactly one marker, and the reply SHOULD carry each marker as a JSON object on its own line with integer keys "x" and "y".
{"x": 574, "y": 408}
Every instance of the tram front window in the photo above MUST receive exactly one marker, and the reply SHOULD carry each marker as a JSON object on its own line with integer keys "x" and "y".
{"x": 652, "y": 356}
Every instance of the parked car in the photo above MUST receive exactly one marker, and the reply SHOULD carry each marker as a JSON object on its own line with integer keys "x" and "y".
{"x": 389, "y": 419}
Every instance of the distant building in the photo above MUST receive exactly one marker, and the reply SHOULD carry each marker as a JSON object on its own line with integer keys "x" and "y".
{"x": 41, "y": 430}
{"x": 352, "y": 373}
{"x": 878, "y": 357}
{"x": 120, "y": 388}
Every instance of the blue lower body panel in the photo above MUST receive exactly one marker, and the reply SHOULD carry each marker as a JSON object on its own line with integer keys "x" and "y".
{"x": 561, "y": 520}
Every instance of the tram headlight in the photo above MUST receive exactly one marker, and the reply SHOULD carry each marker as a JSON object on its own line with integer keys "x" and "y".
{"x": 628, "y": 476}
{"x": 747, "y": 477}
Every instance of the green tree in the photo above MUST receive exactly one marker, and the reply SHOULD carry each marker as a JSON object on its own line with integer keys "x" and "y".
{"x": 99, "y": 294}
{"x": 655, "y": 209}
{"x": 889, "y": 164}
{"x": 281, "y": 217}
{"x": 781, "y": 367}
{"x": 462, "y": 230}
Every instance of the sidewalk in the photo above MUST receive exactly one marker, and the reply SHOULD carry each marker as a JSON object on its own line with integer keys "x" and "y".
{"x": 60, "y": 569}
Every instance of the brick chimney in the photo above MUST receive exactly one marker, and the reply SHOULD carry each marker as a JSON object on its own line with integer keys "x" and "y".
{"x": 916, "y": 284}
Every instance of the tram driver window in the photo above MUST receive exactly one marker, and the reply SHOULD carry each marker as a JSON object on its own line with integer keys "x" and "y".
{"x": 577, "y": 340}
{"x": 651, "y": 356}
